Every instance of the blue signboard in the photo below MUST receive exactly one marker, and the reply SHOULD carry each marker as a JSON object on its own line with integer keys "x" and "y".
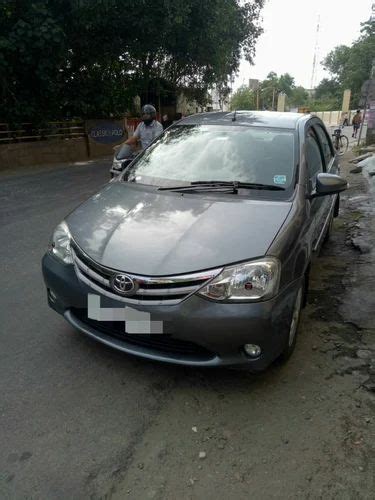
{"x": 106, "y": 132}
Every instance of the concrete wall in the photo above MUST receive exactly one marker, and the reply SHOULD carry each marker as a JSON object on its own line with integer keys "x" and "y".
{"x": 42, "y": 152}
{"x": 99, "y": 150}
{"x": 185, "y": 106}
{"x": 333, "y": 117}
{"x": 51, "y": 151}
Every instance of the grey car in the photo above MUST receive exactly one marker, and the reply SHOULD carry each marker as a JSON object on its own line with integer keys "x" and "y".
{"x": 199, "y": 252}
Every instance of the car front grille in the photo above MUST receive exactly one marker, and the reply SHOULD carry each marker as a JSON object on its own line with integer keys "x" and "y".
{"x": 166, "y": 290}
{"x": 160, "y": 343}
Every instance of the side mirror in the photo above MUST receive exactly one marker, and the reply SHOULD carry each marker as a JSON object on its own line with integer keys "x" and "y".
{"x": 327, "y": 184}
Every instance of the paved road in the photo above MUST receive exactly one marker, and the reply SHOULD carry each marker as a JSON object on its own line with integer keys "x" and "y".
{"x": 78, "y": 420}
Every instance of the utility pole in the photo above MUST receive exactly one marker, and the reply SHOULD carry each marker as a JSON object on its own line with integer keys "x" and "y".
{"x": 281, "y": 98}
{"x": 369, "y": 102}
{"x": 231, "y": 82}
{"x": 316, "y": 51}
{"x": 368, "y": 92}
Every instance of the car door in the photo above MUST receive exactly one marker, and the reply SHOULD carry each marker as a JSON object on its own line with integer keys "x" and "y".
{"x": 330, "y": 159}
{"x": 315, "y": 164}
{"x": 331, "y": 166}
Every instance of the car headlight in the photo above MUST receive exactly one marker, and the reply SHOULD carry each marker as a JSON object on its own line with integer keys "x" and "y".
{"x": 60, "y": 243}
{"x": 117, "y": 164}
{"x": 249, "y": 281}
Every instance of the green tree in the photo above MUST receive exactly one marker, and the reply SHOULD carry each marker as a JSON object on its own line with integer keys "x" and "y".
{"x": 31, "y": 51}
{"x": 351, "y": 66}
{"x": 286, "y": 84}
{"x": 327, "y": 96}
{"x": 89, "y": 58}
{"x": 270, "y": 88}
{"x": 335, "y": 62}
{"x": 298, "y": 97}
{"x": 268, "y": 92}
{"x": 323, "y": 104}
{"x": 328, "y": 88}
{"x": 243, "y": 98}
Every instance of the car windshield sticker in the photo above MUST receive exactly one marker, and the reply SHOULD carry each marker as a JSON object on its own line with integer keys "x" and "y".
{"x": 279, "y": 179}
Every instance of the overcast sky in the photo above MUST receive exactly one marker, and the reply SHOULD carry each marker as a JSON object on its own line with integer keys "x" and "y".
{"x": 288, "y": 42}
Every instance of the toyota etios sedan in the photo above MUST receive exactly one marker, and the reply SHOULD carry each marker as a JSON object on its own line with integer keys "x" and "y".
{"x": 199, "y": 252}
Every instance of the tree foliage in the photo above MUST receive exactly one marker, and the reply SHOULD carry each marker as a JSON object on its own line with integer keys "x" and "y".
{"x": 31, "y": 51}
{"x": 273, "y": 85}
{"x": 298, "y": 98}
{"x": 351, "y": 66}
{"x": 266, "y": 96}
{"x": 243, "y": 98}
{"x": 328, "y": 95}
{"x": 89, "y": 58}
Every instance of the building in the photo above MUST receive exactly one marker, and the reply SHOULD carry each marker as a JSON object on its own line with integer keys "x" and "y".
{"x": 311, "y": 93}
{"x": 218, "y": 101}
{"x": 253, "y": 84}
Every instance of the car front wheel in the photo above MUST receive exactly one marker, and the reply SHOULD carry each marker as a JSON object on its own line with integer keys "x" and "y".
{"x": 328, "y": 234}
{"x": 336, "y": 210}
{"x": 294, "y": 323}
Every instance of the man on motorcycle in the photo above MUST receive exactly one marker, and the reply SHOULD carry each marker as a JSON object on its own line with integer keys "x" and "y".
{"x": 148, "y": 129}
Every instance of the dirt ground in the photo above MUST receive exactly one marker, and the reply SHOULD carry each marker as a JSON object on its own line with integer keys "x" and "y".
{"x": 78, "y": 420}
{"x": 305, "y": 430}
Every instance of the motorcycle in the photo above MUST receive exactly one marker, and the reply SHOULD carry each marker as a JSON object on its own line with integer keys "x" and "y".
{"x": 123, "y": 157}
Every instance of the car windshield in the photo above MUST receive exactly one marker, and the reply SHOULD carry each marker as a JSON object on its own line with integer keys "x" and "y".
{"x": 192, "y": 153}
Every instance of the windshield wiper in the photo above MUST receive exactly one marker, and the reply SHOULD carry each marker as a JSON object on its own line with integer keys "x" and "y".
{"x": 200, "y": 187}
{"x": 239, "y": 184}
{"x": 233, "y": 186}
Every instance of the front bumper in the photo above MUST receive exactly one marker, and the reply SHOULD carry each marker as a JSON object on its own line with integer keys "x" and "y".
{"x": 115, "y": 169}
{"x": 196, "y": 332}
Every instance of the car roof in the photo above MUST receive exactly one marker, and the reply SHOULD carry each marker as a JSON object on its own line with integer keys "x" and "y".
{"x": 248, "y": 118}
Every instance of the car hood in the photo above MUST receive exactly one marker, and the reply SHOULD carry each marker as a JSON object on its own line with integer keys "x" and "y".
{"x": 142, "y": 231}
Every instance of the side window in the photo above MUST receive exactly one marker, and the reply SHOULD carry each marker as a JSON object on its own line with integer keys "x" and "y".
{"x": 313, "y": 157}
{"x": 326, "y": 144}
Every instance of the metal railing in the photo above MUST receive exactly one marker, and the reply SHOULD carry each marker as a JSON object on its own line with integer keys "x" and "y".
{"x": 29, "y": 133}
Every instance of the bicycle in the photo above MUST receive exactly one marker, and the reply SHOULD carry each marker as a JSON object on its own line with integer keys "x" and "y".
{"x": 340, "y": 142}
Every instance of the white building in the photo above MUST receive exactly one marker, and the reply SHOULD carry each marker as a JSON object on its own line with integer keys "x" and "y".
{"x": 218, "y": 101}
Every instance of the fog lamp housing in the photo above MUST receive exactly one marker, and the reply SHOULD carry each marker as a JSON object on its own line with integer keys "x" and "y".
{"x": 252, "y": 350}
{"x": 51, "y": 295}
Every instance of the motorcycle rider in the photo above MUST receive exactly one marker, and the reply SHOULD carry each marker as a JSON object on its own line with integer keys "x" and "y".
{"x": 148, "y": 129}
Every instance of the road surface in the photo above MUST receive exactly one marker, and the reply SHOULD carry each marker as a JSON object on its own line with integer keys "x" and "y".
{"x": 78, "y": 420}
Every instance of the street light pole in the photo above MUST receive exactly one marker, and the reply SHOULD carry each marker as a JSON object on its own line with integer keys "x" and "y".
{"x": 372, "y": 77}
{"x": 372, "y": 74}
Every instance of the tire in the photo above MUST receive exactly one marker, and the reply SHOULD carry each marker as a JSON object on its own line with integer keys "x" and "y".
{"x": 335, "y": 214}
{"x": 294, "y": 323}
{"x": 336, "y": 210}
{"x": 328, "y": 234}
{"x": 343, "y": 144}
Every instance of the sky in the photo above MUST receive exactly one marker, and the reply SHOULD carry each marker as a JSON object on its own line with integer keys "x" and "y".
{"x": 288, "y": 42}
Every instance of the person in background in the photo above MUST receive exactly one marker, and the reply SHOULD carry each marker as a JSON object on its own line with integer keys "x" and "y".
{"x": 166, "y": 122}
{"x": 356, "y": 122}
{"x": 178, "y": 117}
{"x": 148, "y": 130}
{"x": 345, "y": 120}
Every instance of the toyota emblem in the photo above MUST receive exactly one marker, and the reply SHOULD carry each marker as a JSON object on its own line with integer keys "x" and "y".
{"x": 123, "y": 284}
